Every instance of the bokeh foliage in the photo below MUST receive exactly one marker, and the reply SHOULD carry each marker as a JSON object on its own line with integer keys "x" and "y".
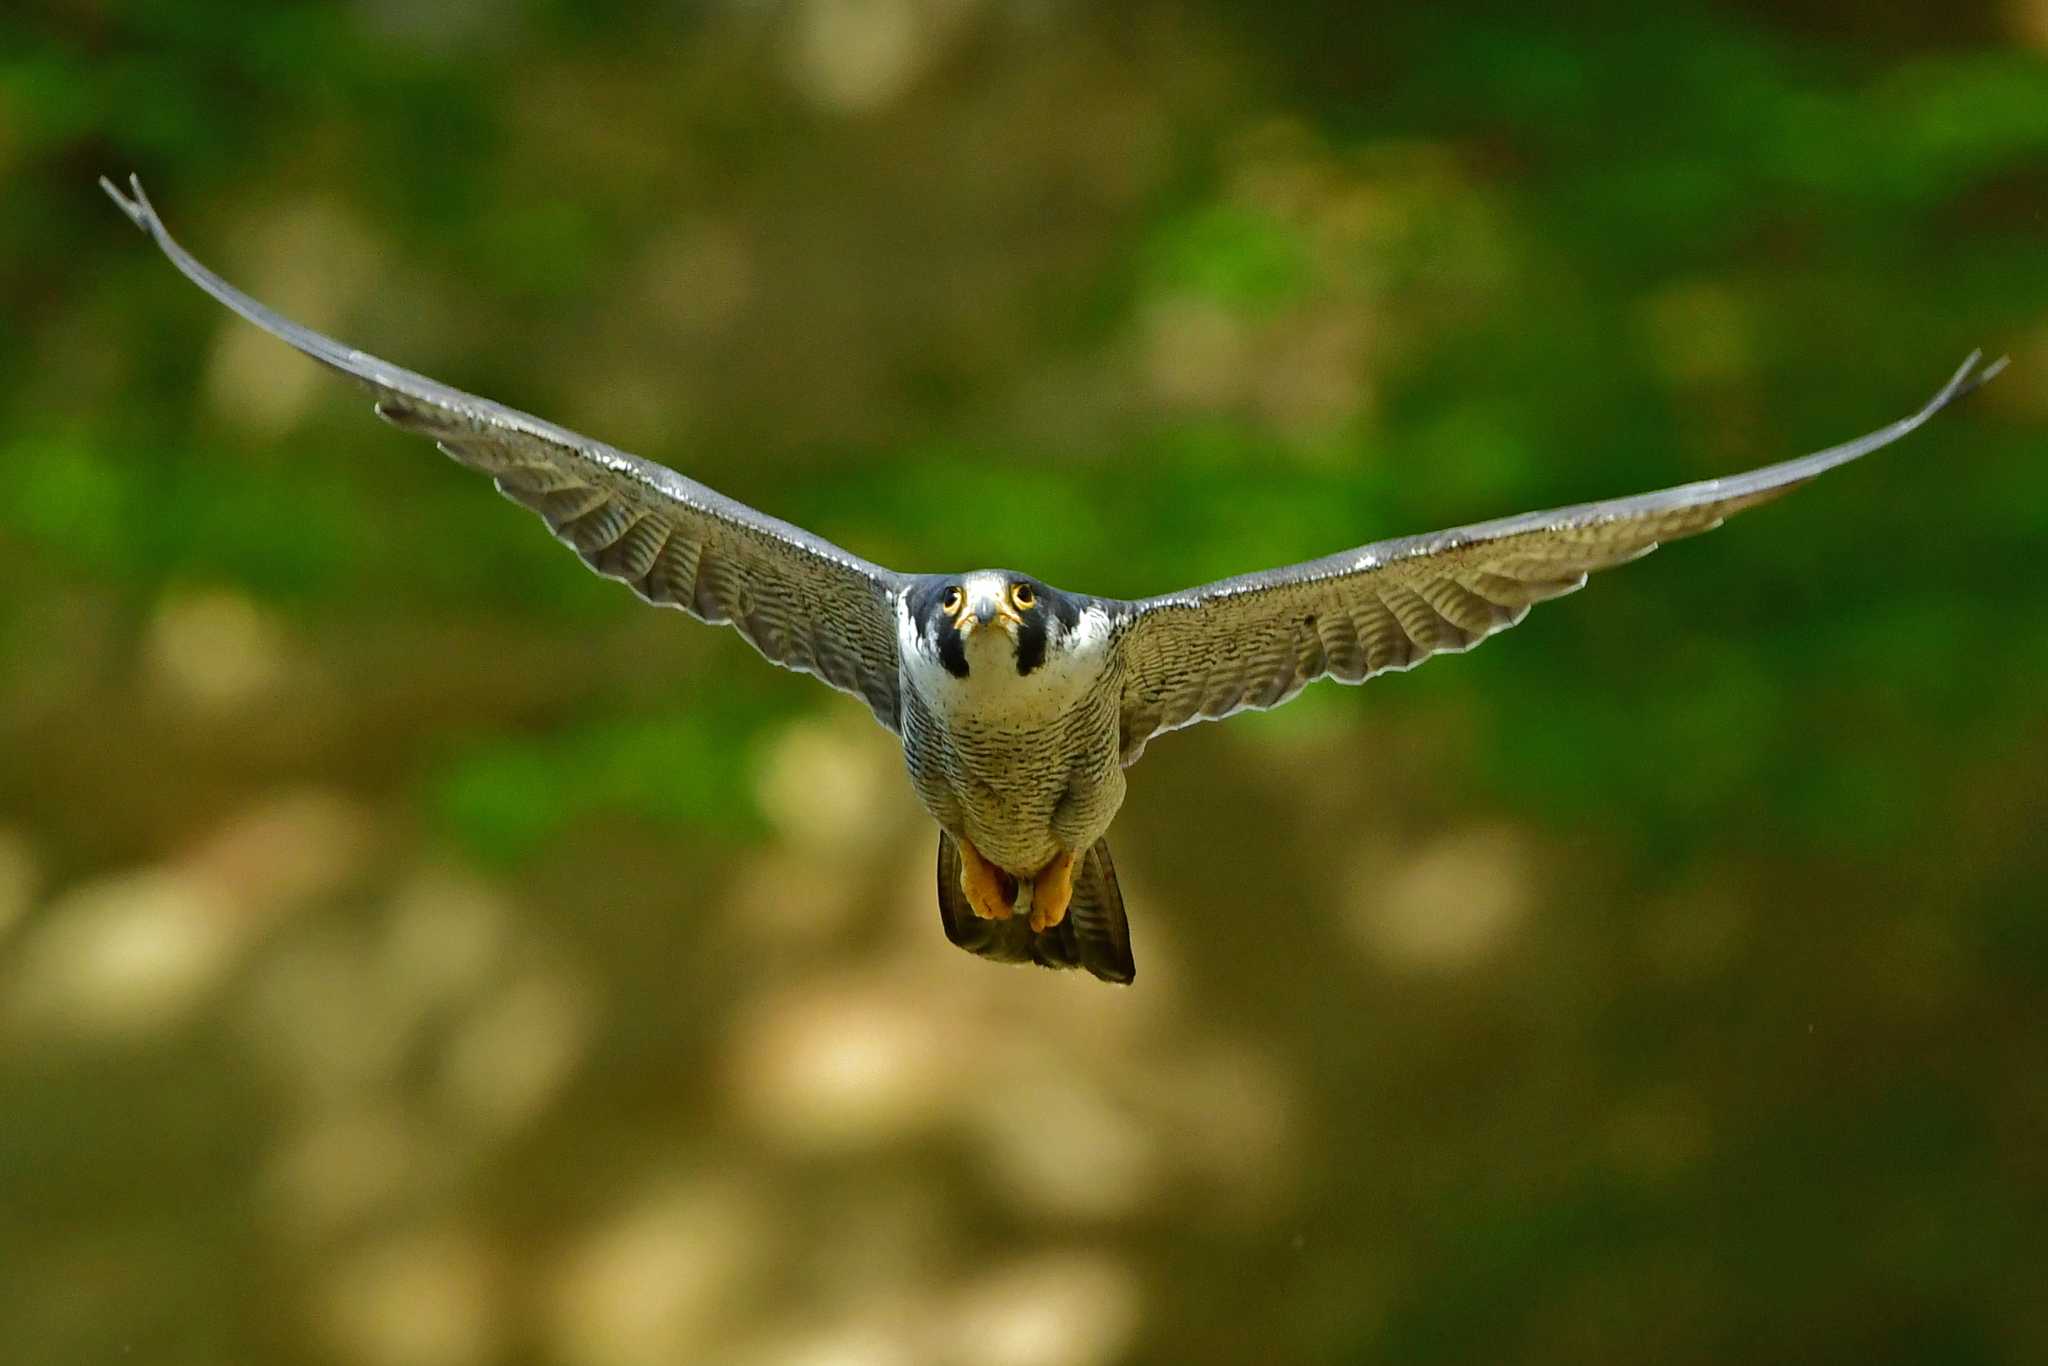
{"x": 1130, "y": 297}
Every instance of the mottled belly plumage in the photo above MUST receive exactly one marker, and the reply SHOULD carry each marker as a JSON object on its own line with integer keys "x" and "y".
{"x": 1021, "y": 788}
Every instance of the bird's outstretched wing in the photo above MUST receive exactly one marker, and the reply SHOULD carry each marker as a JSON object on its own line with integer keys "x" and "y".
{"x": 798, "y": 599}
{"x": 1257, "y": 640}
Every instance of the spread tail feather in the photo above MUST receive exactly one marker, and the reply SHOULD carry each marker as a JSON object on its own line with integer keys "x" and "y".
{"x": 1094, "y": 934}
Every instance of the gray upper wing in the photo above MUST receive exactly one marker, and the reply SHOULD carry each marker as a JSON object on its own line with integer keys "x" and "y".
{"x": 798, "y": 599}
{"x": 1257, "y": 640}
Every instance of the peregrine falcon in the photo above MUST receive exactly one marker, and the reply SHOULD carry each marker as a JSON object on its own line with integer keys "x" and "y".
{"x": 1019, "y": 706}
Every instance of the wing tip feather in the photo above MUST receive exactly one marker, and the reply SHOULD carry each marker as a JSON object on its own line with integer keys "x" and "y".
{"x": 135, "y": 204}
{"x": 1968, "y": 378}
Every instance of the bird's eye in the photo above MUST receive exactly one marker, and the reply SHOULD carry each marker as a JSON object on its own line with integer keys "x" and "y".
{"x": 950, "y": 603}
{"x": 1022, "y": 598}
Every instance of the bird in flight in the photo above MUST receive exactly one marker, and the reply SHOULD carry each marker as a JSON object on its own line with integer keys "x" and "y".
{"x": 1019, "y": 706}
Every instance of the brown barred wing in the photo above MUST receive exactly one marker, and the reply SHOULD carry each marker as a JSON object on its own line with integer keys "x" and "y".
{"x": 803, "y": 602}
{"x": 1257, "y": 640}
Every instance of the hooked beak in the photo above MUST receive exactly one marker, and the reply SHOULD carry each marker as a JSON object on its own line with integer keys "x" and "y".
{"x": 981, "y": 611}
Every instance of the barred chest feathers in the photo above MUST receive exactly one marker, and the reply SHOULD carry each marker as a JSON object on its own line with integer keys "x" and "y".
{"x": 1024, "y": 763}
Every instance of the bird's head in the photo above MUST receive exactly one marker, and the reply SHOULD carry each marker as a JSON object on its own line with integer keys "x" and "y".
{"x": 991, "y": 620}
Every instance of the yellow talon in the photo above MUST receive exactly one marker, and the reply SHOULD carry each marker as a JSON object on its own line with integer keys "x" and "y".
{"x": 981, "y": 882}
{"x": 1051, "y": 894}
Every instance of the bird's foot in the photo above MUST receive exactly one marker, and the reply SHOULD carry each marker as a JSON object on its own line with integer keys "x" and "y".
{"x": 981, "y": 882}
{"x": 1051, "y": 891}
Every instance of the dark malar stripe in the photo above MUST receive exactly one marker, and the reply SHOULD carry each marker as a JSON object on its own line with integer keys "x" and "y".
{"x": 952, "y": 650}
{"x": 1031, "y": 643}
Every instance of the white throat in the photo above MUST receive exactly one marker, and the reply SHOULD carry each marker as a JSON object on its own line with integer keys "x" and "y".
{"x": 993, "y": 690}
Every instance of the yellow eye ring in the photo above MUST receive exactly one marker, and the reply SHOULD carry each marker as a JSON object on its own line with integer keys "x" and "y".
{"x": 1022, "y": 598}
{"x": 950, "y": 604}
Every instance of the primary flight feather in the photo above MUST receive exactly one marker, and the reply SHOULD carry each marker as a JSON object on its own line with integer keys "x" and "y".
{"x": 1019, "y": 706}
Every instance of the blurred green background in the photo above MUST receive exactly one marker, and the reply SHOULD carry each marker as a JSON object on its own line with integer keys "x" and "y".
{"x": 416, "y": 952}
